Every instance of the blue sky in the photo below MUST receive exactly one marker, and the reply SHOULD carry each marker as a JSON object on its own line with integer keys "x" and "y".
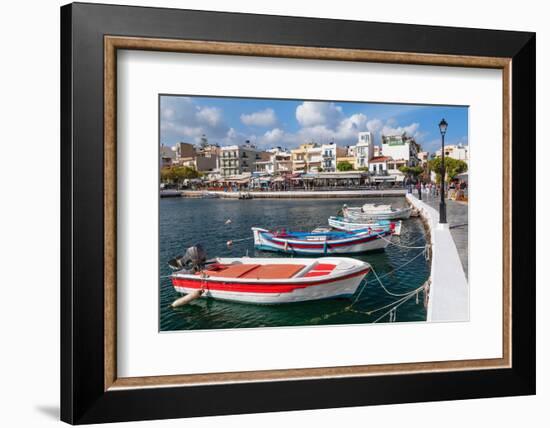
{"x": 288, "y": 123}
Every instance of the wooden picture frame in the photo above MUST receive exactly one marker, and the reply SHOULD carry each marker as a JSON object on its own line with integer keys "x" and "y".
{"x": 91, "y": 390}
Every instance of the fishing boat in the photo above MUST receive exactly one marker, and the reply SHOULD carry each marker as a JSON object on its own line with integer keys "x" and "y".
{"x": 321, "y": 243}
{"x": 209, "y": 195}
{"x": 346, "y": 224}
{"x": 245, "y": 195}
{"x": 266, "y": 280}
{"x": 370, "y": 212}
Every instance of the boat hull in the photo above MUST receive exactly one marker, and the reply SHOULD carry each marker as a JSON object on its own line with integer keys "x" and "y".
{"x": 349, "y": 225}
{"x": 359, "y": 215}
{"x": 344, "y": 288}
{"x": 269, "y": 292}
{"x": 266, "y": 241}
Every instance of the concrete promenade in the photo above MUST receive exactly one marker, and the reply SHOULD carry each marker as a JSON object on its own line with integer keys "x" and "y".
{"x": 324, "y": 194}
{"x": 457, "y": 217}
{"x": 449, "y": 289}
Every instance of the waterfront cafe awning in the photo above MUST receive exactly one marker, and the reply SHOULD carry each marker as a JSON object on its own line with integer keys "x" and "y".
{"x": 384, "y": 178}
{"x": 341, "y": 175}
{"x": 236, "y": 179}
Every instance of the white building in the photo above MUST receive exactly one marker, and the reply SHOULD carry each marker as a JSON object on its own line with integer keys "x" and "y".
{"x": 401, "y": 148}
{"x": 364, "y": 150}
{"x": 456, "y": 151}
{"x": 236, "y": 160}
{"x": 331, "y": 152}
{"x": 378, "y": 165}
{"x": 279, "y": 162}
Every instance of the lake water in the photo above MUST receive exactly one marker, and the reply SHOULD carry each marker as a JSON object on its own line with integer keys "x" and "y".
{"x": 185, "y": 222}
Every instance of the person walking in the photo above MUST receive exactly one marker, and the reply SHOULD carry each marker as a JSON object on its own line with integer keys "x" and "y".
{"x": 419, "y": 189}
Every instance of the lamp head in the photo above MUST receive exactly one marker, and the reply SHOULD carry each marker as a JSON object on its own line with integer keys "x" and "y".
{"x": 443, "y": 126}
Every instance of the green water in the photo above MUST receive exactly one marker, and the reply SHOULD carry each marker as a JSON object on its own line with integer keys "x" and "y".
{"x": 185, "y": 222}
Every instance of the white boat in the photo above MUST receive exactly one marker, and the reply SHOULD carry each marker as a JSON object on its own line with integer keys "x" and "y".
{"x": 361, "y": 214}
{"x": 272, "y": 280}
{"x": 321, "y": 243}
{"x": 209, "y": 195}
{"x": 376, "y": 207}
{"x": 347, "y": 224}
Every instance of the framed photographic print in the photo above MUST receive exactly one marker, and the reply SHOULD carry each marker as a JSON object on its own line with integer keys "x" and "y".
{"x": 266, "y": 213}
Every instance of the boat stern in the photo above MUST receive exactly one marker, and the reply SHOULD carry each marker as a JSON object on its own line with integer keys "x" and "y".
{"x": 256, "y": 232}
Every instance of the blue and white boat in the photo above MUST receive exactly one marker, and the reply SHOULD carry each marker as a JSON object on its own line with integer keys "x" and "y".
{"x": 349, "y": 225}
{"x": 321, "y": 243}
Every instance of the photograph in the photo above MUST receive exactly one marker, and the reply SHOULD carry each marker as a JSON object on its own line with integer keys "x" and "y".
{"x": 293, "y": 212}
{"x": 266, "y": 211}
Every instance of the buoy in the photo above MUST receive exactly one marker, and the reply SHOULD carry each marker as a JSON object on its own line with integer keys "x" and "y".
{"x": 187, "y": 298}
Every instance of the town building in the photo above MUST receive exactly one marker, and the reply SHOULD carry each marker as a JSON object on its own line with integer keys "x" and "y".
{"x": 456, "y": 151}
{"x": 278, "y": 162}
{"x": 347, "y": 158}
{"x": 237, "y": 160}
{"x": 378, "y": 166}
{"x": 167, "y": 156}
{"x": 207, "y": 157}
{"x": 330, "y": 154}
{"x": 307, "y": 158}
{"x": 364, "y": 150}
{"x": 200, "y": 162}
{"x": 377, "y": 151}
{"x": 184, "y": 152}
{"x": 423, "y": 158}
{"x": 401, "y": 148}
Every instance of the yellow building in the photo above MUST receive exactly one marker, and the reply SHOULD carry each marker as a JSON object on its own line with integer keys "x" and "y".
{"x": 350, "y": 159}
{"x": 307, "y": 158}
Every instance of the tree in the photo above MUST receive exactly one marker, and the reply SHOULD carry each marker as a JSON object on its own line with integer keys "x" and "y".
{"x": 453, "y": 167}
{"x": 415, "y": 171}
{"x": 177, "y": 174}
{"x": 344, "y": 166}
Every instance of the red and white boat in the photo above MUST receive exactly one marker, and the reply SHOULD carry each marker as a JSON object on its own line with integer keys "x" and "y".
{"x": 272, "y": 280}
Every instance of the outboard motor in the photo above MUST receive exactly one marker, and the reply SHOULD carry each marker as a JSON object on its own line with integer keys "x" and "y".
{"x": 193, "y": 260}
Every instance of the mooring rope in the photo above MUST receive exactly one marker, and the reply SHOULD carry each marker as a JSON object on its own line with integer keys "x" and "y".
{"x": 394, "y": 309}
{"x": 389, "y": 241}
{"x": 398, "y": 267}
{"x": 242, "y": 239}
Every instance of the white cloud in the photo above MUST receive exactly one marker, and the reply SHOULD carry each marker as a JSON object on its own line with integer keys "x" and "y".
{"x": 375, "y": 126}
{"x": 183, "y": 120}
{"x": 321, "y": 122}
{"x": 265, "y": 117}
{"x": 210, "y": 116}
{"x": 411, "y": 129}
{"x": 311, "y": 113}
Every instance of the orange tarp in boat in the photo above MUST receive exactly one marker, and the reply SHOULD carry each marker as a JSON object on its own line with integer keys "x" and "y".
{"x": 274, "y": 271}
{"x": 231, "y": 271}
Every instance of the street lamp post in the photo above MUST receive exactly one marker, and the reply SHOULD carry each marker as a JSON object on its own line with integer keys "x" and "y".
{"x": 442, "y": 206}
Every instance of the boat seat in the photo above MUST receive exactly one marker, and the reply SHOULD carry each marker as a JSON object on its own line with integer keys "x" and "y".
{"x": 320, "y": 269}
{"x": 274, "y": 271}
{"x": 231, "y": 271}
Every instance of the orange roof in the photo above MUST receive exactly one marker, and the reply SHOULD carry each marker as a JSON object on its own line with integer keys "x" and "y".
{"x": 380, "y": 159}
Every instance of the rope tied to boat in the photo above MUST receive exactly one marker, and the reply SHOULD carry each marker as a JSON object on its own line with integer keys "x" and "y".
{"x": 232, "y": 241}
{"x": 389, "y": 241}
